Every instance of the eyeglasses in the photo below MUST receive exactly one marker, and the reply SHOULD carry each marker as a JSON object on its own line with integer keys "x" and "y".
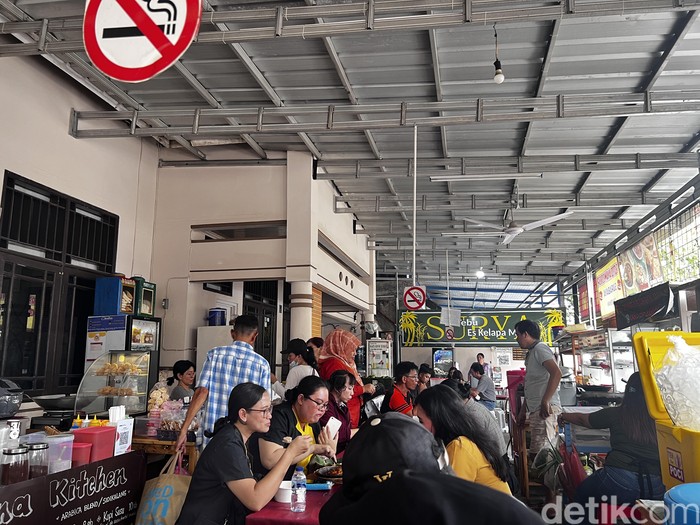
{"x": 412, "y": 377}
{"x": 319, "y": 404}
{"x": 265, "y": 411}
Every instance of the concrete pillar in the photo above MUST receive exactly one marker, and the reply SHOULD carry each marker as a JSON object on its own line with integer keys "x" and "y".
{"x": 301, "y": 310}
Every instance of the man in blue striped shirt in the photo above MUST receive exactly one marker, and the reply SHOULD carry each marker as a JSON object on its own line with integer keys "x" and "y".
{"x": 224, "y": 368}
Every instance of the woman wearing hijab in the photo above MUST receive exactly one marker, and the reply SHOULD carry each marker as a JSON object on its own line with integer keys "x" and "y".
{"x": 338, "y": 353}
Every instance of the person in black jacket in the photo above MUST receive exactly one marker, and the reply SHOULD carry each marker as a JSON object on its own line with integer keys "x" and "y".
{"x": 223, "y": 486}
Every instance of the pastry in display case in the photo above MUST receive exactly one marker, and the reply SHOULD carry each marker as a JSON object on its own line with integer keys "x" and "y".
{"x": 115, "y": 378}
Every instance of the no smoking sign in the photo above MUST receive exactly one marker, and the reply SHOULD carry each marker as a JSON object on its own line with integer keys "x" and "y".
{"x": 414, "y": 297}
{"x": 134, "y": 40}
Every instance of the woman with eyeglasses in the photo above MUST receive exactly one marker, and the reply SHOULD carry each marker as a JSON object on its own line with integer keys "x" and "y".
{"x": 342, "y": 385}
{"x": 299, "y": 415}
{"x": 338, "y": 353}
{"x": 472, "y": 455}
{"x": 224, "y": 488}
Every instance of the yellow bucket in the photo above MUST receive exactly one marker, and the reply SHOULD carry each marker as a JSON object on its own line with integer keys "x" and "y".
{"x": 677, "y": 446}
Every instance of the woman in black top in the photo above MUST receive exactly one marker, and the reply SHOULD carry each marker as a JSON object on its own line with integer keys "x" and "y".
{"x": 298, "y": 416}
{"x": 223, "y": 487}
{"x": 632, "y": 468}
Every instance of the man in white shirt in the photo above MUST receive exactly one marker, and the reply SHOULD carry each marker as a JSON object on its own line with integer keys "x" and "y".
{"x": 542, "y": 376}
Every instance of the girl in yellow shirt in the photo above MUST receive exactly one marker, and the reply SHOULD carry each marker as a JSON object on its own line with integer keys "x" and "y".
{"x": 441, "y": 410}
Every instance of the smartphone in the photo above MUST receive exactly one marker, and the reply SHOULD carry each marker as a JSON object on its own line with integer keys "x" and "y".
{"x": 333, "y": 426}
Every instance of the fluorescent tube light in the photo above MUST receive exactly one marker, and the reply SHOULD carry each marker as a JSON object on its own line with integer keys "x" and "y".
{"x": 484, "y": 176}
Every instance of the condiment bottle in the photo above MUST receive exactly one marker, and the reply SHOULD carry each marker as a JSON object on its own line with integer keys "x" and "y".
{"x": 94, "y": 422}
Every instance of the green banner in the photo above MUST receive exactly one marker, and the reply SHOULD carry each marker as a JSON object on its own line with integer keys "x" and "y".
{"x": 483, "y": 327}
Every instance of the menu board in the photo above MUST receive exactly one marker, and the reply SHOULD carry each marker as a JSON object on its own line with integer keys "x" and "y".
{"x": 608, "y": 288}
{"x": 640, "y": 267}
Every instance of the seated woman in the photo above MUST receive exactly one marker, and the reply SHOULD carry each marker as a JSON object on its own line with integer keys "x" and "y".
{"x": 342, "y": 384}
{"x": 302, "y": 363}
{"x": 298, "y": 416}
{"x": 223, "y": 488}
{"x": 632, "y": 468}
{"x": 184, "y": 373}
{"x": 473, "y": 456}
{"x": 338, "y": 353}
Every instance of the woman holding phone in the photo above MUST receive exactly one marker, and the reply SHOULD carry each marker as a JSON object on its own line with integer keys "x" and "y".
{"x": 342, "y": 385}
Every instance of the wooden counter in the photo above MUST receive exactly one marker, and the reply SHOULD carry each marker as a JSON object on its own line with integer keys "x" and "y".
{"x": 151, "y": 445}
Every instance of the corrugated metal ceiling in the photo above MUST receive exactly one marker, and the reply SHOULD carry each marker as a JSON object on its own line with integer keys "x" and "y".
{"x": 576, "y": 78}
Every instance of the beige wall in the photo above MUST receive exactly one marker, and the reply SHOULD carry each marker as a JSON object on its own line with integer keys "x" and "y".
{"x": 117, "y": 175}
{"x": 198, "y": 196}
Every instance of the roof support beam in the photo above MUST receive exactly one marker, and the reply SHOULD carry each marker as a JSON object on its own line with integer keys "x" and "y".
{"x": 352, "y": 19}
{"x": 543, "y": 77}
{"x": 471, "y": 112}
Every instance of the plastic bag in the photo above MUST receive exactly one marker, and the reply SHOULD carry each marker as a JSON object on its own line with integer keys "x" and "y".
{"x": 677, "y": 382}
{"x": 164, "y": 496}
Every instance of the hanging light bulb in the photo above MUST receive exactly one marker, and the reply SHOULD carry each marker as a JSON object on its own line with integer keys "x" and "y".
{"x": 498, "y": 77}
{"x": 480, "y": 273}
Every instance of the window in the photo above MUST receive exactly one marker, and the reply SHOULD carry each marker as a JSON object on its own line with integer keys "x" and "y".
{"x": 50, "y": 248}
{"x": 44, "y": 223}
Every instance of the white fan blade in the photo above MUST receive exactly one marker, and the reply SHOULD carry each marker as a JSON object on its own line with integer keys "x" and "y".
{"x": 471, "y": 234}
{"x": 484, "y": 224}
{"x": 532, "y": 225}
{"x": 507, "y": 239}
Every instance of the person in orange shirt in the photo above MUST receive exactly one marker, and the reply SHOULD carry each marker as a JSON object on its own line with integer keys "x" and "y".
{"x": 400, "y": 397}
{"x": 338, "y": 353}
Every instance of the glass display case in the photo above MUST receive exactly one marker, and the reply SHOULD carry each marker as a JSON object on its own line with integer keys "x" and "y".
{"x": 115, "y": 378}
{"x": 602, "y": 358}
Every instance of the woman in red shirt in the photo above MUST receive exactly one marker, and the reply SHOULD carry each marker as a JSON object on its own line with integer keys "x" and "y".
{"x": 338, "y": 353}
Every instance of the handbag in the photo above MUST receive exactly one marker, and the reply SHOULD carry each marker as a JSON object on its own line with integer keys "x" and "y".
{"x": 163, "y": 497}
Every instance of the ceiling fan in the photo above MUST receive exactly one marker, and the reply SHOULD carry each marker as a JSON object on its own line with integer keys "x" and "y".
{"x": 512, "y": 229}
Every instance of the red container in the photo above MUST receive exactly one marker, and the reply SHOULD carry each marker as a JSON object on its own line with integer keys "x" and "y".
{"x": 101, "y": 438}
{"x": 81, "y": 454}
{"x": 514, "y": 377}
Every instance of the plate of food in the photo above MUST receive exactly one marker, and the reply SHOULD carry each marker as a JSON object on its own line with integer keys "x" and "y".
{"x": 332, "y": 473}
{"x": 627, "y": 275}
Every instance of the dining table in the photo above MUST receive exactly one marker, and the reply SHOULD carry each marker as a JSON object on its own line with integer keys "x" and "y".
{"x": 276, "y": 513}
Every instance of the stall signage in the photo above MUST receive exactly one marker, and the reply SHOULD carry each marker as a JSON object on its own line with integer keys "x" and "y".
{"x": 640, "y": 267}
{"x": 104, "y": 492}
{"x": 492, "y": 327}
{"x": 608, "y": 288}
{"x": 134, "y": 41}
{"x": 647, "y": 306}
{"x": 584, "y": 309}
